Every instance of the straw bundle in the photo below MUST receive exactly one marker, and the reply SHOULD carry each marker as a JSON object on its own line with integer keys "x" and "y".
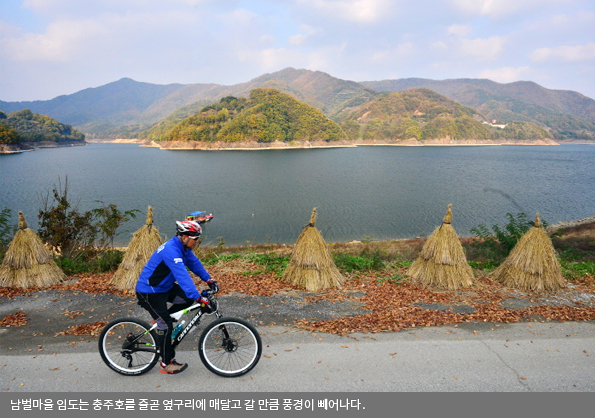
{"x": 28, "y": 262}
{"x": 311, "y": 264}
{"x": 442, "y": 262}
{"x": 142, "y": 246}
{"x": 532, "y": 264}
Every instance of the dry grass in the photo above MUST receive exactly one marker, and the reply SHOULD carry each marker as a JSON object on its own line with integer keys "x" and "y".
{"x": 28, "y": 262}
{"x": 442, "y": 262}
{"x": 311, "y": 264}
{"x": 143, "y": 244}
{"x": 532, "y": 264}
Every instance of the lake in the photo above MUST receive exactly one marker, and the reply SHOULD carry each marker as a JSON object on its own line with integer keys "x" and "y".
{"x": 266, "y": 196}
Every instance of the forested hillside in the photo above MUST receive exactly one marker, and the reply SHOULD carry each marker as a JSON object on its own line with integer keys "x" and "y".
{"x": 26, "y": 126}
{"x": 565, "y": 114}
{"x": 422, "y": 114}
{"x": 266, "y": 116}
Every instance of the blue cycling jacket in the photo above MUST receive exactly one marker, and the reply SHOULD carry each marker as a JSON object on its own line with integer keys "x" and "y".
{"x": 168, "y": 265}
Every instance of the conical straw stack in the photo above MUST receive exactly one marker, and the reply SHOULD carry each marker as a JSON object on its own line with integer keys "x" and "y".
{"x": 442, "y": 262}
{"x": 532, "y": 264}
{"x": 28, "y": 262}
{"x": 143, "y": 244}
{"x": 311, "y": 264}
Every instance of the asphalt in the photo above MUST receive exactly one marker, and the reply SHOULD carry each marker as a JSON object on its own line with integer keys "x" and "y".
{"x": 467, "y": 357}
{"x": 51, "y": 314}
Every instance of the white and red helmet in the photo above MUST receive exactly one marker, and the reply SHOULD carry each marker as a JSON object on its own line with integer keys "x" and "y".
{"x": 190, "y": 228}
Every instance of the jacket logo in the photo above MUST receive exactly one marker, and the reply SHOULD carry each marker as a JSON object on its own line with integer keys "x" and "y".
{"x": 160, "y": 248}
{"x": 178, "y": 260}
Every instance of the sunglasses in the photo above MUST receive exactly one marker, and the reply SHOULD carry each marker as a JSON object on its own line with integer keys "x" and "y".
{"x": 192, "y": 238}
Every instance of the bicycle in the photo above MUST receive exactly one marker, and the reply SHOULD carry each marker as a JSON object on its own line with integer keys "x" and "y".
{"x": 228, "y": 347}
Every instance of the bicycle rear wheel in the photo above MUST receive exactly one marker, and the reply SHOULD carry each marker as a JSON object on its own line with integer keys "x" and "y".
{"x": 230, "y": 347}
{"x": 127, "y": 346}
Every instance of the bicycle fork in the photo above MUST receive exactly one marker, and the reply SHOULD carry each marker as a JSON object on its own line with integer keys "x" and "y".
{"x": 228, "y": 344}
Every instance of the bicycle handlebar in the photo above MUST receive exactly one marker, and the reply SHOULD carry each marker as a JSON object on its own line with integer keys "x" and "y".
{"x": 208, "y": 293}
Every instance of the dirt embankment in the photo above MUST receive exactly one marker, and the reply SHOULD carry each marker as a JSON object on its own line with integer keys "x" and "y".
{"x": 13, "y": 148}
{"x": 253, "y": 145}
{"x": 561, "y": 225}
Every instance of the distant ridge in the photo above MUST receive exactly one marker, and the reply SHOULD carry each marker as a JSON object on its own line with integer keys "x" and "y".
{"x": 125, "y": 107}
{"x": 566, "y": 113}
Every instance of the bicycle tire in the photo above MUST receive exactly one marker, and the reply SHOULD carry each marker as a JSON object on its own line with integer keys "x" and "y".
{"x": 231, "y": 357}
{"x": 135, "y": 360}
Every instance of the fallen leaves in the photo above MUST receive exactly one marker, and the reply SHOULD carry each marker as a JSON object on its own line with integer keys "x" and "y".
{"x": 394, "y": 307}
{"x": 389, "y": 306}
{"x": 93, "y": 329}
{"x": 15, "y": 320}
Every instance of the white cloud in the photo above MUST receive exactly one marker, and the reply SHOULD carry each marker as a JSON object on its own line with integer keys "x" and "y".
{"x": 566, "y": 53}
{"x": 9, "y": 31}
{"x": 300, "y": 38}
{"x": 505, "y": 74}
{"x": 459, "y": 30}
{"x": 359, "y": 11}
{"x": 274, "y": 59}
{"x": 269, "y": 59}
{"x": 60, "y": 43}
{"x": 399, "y": 51}
{"x": 440, "y": 45}
{"x": 483, "y": 48}
{"x": 499, "y": 8}
{"x": 242, "y": 17}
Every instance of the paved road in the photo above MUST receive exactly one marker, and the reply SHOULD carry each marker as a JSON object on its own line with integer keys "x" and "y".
{"x": 522, "y": 357}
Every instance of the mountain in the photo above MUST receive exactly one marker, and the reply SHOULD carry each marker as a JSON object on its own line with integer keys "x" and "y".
{"x": 267, "y": 115}
{"x": 567, "y": 114}
{"x": 423, "y": 114}
{"x": 126, "y": 107}
{"x": 120, "y": 102}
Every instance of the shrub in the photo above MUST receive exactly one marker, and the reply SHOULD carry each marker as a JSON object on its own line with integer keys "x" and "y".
{"x": 104, "y": 262}
{"x": 7, "y": 231}
{"x": 76, "y": 235}
{"x": 495, "y": 245}
{"x": 366, "y": 261}
{"x": 63, "y": 227}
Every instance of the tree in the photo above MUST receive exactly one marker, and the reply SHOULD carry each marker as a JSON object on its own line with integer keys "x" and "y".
{"x": 352, "y": 129}
{"x": 67, "y": 231}
{"x": 34, "y": 127}
{"x": 74, "y": 235}
{"x": 109, "y": 218}
{"x": 9, "y": 135}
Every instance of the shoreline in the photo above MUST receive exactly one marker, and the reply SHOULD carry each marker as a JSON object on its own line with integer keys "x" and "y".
{"x": 33, "y": 146}
{"x": 256, "y": 146}
{"x": 396, "y": 241}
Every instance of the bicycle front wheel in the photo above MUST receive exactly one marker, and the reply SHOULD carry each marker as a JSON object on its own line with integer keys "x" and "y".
{"x": 128, "y": 347}
{"x": 230, "y": 347}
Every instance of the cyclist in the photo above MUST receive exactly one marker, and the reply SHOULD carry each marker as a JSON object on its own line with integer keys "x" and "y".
{"x": 164, "y": 279}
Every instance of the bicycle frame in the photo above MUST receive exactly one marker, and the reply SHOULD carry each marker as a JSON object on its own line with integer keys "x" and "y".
{"x": 177, "y": 315}
{"x": 193, "y": 322}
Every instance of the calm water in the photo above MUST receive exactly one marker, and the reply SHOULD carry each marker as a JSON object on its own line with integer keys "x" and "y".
{"x": 268, "y": 196}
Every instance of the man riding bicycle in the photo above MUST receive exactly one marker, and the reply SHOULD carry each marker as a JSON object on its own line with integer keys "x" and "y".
{"x": 164, "y": 279}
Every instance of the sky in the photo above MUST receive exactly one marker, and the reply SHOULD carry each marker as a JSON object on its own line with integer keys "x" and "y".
{"x": 50, "y": 48}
